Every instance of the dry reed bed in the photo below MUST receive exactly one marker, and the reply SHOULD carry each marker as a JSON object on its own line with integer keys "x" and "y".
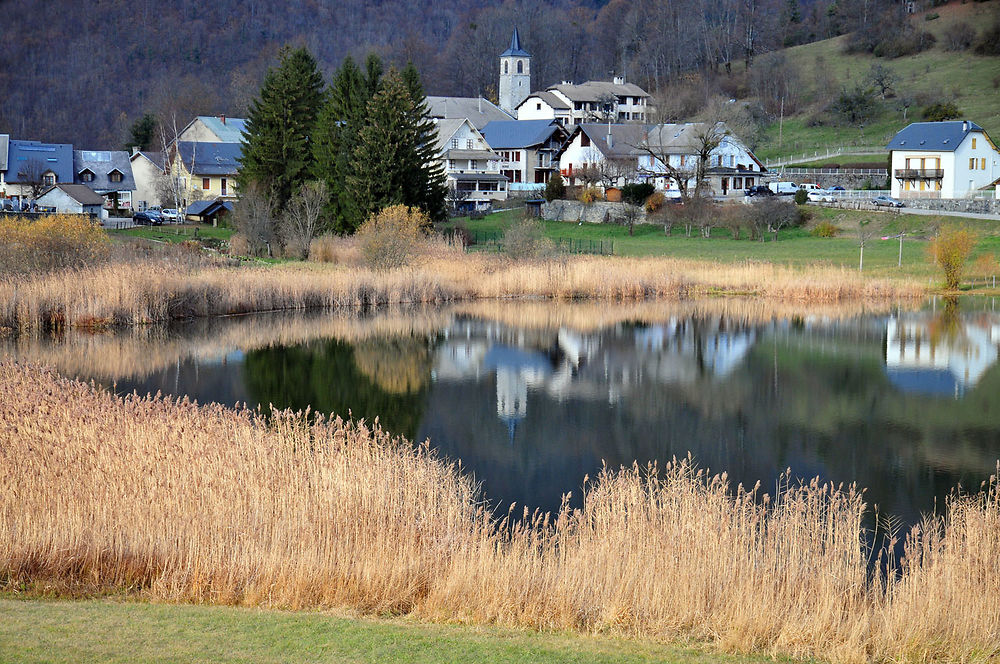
{"x": 129, "y": 294}
{"x": 181, "y": 503}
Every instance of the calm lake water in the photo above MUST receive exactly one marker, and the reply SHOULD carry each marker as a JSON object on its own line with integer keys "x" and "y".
{"x": 532, "y": 396}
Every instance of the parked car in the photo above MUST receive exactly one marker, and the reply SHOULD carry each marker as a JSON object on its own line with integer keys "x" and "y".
{"x": 783, "y": 188}
{"x": 809, "y": 186}
{"x": 821, "y": 196}
{"x": 169, "y": 214}
{"x": 887, "y": 201}
{"x": 147, "y": 218}
{"x": 759, "y": 190}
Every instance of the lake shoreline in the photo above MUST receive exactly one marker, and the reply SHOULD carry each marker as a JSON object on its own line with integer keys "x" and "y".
{"x": 140, "y": 293}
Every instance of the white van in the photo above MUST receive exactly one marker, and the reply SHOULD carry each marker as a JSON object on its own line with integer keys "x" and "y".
{"x": 783, "y": 188}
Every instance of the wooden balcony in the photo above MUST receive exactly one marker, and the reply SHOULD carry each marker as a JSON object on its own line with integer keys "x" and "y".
{"x": 918, "y": 173}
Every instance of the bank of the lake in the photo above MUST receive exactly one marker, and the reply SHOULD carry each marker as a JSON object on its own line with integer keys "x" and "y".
{"x": 90, "y": 631}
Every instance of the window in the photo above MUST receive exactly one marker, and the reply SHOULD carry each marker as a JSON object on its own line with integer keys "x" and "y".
{"x": 520, "y": 66}
{"x": 469, "y": 145}
{"x": 538, "y": 106}
{"x": 973, "y": 144}
{"x": 473, "y": 164}
{"x": 86, "y": 176}
{"x": 584, "y": 140}
{"x": 113, "y": 176}
{"x": 982, "y": 164}
{"x": 454, "y": 144}
{"x": 49, "y": 178}
{"x": 451, "y": 164}
{"x": 972, "y": 163}
{"x": 506, "y": 67}
{"x": 517, "y": 155}
{"x": 224, "y": 186}
{"x": 206, "y": 183}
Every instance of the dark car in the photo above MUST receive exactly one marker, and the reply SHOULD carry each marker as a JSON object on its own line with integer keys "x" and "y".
{"x": 147, "y": 218}
{"x": 886, "y": 201}
{"x": 837, "y": 187}
{"x": 760, "y": 190}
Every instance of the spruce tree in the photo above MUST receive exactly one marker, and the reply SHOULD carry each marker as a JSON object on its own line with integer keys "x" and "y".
{"x": 337, "y": 129}
{"x": 395, "y": 158}
{"x": 276, "y": 148}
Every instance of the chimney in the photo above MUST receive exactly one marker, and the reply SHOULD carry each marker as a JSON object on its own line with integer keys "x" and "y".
{"x": 965, "y": 126}
{"x": 135, "y": 150}
{"x": 619, "y": 80}
{"x": 223, "y": 118}
{"x": 611, "y": 139}
{"x": 480, "y": 103}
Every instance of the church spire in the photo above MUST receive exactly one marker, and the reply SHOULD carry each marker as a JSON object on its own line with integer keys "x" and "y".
{"x": 515, "y": 47}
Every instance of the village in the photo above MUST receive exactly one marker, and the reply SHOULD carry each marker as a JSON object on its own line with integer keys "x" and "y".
{"x": 595, "y": 135}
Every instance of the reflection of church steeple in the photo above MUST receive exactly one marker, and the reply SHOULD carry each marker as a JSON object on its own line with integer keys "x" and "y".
{"x": 512, "y": 398}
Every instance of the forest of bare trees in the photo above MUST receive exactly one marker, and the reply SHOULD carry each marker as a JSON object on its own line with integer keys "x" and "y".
{"x": 84, "y": 72}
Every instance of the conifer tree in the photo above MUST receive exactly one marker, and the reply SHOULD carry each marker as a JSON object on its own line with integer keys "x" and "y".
{"x": 394, "y": 160}
{"x": 337, "y": 128}
{"x": 276, "y": 149}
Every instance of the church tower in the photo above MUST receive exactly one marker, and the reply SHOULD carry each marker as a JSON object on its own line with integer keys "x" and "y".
{"x": 515, "y": 75}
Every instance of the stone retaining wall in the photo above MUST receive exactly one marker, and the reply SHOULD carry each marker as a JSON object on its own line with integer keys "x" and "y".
{"x": 973, "y": 205}
{"x": 596, "y": 213}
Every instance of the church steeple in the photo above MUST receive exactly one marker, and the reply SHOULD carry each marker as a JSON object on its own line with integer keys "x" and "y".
{"x": 515, "y": 75}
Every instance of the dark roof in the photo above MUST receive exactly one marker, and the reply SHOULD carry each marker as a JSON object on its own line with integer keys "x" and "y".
{"x": 102, "y": 163}
{"x": 211, "y": 158}
{"x": 552, "y": 100}
{"x": 155, "y": 158}
{"x": 519, "y": 133}
{"x": 206, "y": 208}
{"x": 945, "y": 136}
{"x": 55, "y": 157}
{"x": 515, "y": 47}
{"x": 78, "y": 192}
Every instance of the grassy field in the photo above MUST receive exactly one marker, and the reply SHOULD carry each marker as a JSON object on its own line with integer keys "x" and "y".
{"x": 71, "y": 632}
{"x": 176, "y": 233}
{"x": 936, "y": 75}
{"x": 795, "y": 247}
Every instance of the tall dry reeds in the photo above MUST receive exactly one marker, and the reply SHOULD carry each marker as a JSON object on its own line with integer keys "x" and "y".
{"x": 139, "y": 293}
{"x": 185, "y": 503}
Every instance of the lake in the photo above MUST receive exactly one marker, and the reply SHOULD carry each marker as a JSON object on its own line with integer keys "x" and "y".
{"x": 532, "y": 396}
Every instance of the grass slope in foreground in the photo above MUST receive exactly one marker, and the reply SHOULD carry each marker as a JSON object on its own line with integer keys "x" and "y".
{"x": 92, "y": 631}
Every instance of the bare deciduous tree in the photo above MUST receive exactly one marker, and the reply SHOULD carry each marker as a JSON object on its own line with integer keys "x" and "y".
{"x": 301, "y": 219}
{"x": 253, "y": 220}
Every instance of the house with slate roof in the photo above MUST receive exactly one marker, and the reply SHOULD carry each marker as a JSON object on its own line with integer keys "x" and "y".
{"x": 32, "y": 166}
{"x": 471, "y": 168}
{"x": 527, "y": 149}
{"x": 72, "y": 199}
{"x": 107, "y": 173}
{"x": 213, "y": 129}
{"x": 625, "y": 149}
{"x": 205, "y": 170}
{"x": 953, "y": 159}
{"x": 478, "y": 110}
{"x": 593, "y": 101}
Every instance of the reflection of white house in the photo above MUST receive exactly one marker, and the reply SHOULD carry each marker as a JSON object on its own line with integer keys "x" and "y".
{"x": 916, "y": 360}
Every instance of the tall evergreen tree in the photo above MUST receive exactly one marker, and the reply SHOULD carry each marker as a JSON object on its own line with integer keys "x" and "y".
{"x": 337, "y": 129}
{"x": 394, "y": 159}
{"x": 276, "y": 150}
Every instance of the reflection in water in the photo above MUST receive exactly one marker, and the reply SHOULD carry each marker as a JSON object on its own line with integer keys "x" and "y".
{"x": 532, "y": 397}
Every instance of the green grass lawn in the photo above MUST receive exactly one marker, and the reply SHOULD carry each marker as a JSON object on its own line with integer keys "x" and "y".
{"x": 795, "y": 247}
{"x": 56, "y": 631}
{"x": 176, "y": 232}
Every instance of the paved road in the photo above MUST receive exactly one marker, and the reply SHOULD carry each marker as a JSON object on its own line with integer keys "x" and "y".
{"x": 967, "y": 215}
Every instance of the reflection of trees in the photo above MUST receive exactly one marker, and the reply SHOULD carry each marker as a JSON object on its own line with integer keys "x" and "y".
{"x": 946, "y": 326}
{"x": 399, "y": 365}
{"x": 325, "y": 377}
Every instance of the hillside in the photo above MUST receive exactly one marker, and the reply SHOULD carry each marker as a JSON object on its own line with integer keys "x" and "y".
{"x": 935, "y": 75}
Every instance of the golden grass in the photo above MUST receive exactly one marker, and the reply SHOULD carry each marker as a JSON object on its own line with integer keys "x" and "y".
{"x": 138, "y": 293}
{"x": 204, "y": 504}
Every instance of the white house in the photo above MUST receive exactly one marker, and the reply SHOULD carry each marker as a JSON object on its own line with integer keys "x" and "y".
{"x": 73, "y": 199}
{"x": 472, "y": 169}
{"x": 148, "y": 170}
{"x": 731, "y": 167}
{"x": 952, "y": 159}
{"x": 622, "y": 153}
{"x": 593, "y": 101}
{"x": 213, "y": 129}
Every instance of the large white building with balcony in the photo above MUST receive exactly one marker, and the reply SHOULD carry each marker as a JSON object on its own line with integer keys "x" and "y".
{"x": 953, "y": 159}
{"x": 471, "y": 167}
